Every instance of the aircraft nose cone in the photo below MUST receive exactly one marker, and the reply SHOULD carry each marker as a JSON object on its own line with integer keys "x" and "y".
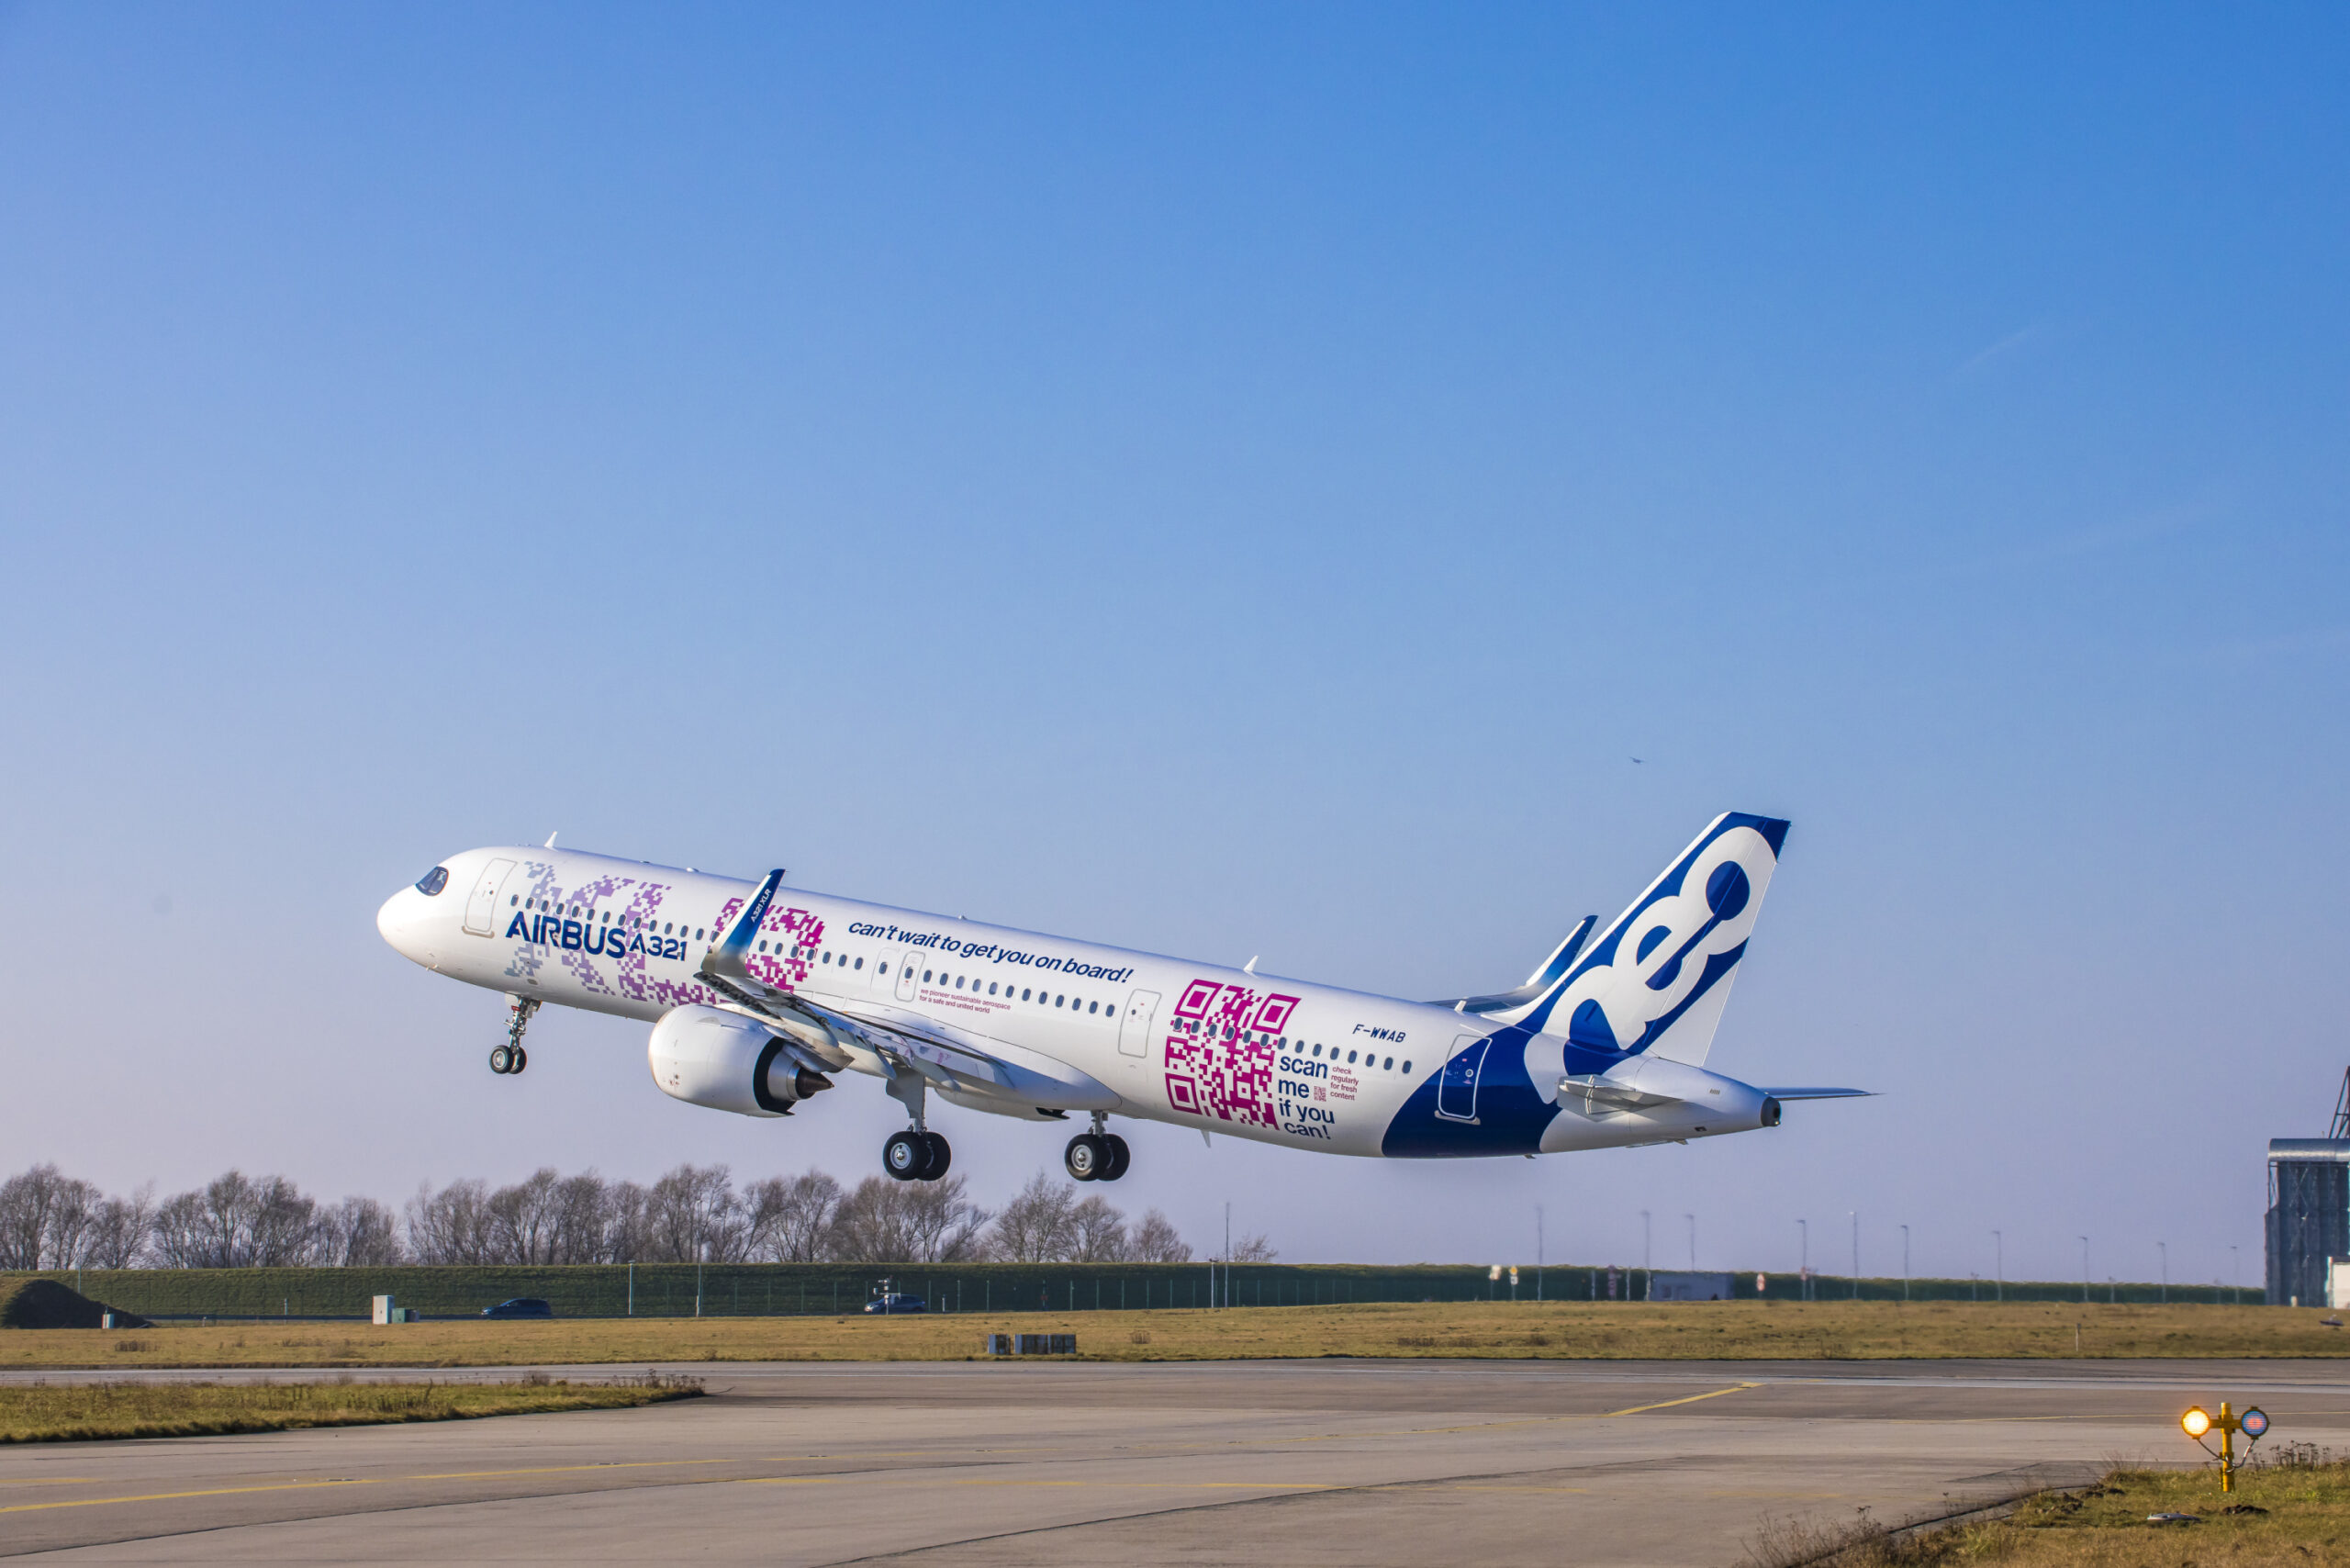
{"x": 400, "y": 923}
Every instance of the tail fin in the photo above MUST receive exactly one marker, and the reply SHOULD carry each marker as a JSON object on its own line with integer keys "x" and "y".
{"x": 1657, "y": 980}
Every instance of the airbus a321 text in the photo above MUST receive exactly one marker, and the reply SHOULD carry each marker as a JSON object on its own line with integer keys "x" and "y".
{"x": 760, "y": 997}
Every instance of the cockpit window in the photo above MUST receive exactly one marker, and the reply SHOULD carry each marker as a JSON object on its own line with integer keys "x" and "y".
{"x": 432, "y": 881}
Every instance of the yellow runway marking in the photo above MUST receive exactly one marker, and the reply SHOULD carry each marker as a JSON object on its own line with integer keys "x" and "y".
{"x": 174, "y": 1497}
{"x": 51, "y": 1481}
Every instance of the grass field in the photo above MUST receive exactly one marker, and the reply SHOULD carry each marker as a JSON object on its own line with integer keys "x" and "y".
{"x": 1729, "y": 1330}
{"x": 2293, "y": 1512}
{"x": 47, "y": 1413}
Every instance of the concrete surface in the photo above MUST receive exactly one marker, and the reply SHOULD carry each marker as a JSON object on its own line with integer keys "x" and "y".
{"x": 1316, "y": 1463}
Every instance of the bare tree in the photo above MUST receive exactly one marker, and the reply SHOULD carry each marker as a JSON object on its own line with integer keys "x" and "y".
{"x": 907, "y": 1222}
{"x": 1097, "y": 1232}
{"x": 583, "y": 1220}
{"x": 360, "y": 1233}
{"x": 44, "y": 1218}
{"x": 118, "y": 1230}
{"x": 1253, "y": 1250}
{"x": 628, "y": 1223}
{"x": 235, "y": 1222}
{"x": 1039, "y": 1225}
{"x": 790, "y": 1217}
{"x": 694, "y": 1214}
{"x": 452, "y": 1225}
{"x": 523, "y": 1218}
{"x": 1155, "y": 1242}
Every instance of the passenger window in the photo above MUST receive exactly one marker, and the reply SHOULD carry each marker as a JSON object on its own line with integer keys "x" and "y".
{"x": 696, "y": 933}
{"x": 1351, "y": 1057}
{"x": 1317, "y": 1050}
{"x": 1389, "y": 1066}
{"x": 1057, "y": 1001}
{"x": 925, "y": 977}
{"x": 665, "y": 928}
{"x": 991, "y": 988}
{"x": 510, "y": 902}
{"x": 1023, "y": 996}
{"x": 958, "y": 982}
{"x": 1093, "y": 1007}
{"x": 859, "y": 965}
{"x": 1408, "y": 1067}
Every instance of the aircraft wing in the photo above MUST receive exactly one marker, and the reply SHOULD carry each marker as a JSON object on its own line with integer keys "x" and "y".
{"x": 1821, "y": 1094}
{"x": 887, "y": 1040}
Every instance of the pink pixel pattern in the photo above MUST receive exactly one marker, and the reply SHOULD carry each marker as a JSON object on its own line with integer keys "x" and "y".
{"x": 1220, "y": 1051}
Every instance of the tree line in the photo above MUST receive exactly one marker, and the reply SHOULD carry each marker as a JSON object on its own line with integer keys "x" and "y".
{"x": 693, "y": 1214}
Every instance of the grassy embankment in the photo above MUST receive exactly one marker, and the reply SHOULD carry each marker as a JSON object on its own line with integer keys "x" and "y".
{"x": 51, "y": 1413}
{"x": 1727, "y": 1330}
{"x": 2295, "y": 1512}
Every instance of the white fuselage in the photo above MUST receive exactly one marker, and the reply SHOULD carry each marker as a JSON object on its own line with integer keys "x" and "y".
{"x": 1102, "y": 1028}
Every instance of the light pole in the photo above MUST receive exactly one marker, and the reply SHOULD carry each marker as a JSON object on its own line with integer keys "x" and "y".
{"x": 2163, "y": 1248}
{"x": 1999, "y": 1266}
{"x": 2236, "y": 1275}
{"x": 1693, "y": 1241}
{"x": 2085, "y": 1268}
{"x": 1646, "y": 1267}
{"x": 1804, "y": 1274}
{"x": 1904, "y": 1262}
{"x": 1228, "y": 1254}
{"x": 1856, "y": 1215}
{"x": 1538, "y": 1252}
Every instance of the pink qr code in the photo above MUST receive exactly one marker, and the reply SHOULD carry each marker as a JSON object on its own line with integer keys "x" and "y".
{"x": 1220, "y": 1051}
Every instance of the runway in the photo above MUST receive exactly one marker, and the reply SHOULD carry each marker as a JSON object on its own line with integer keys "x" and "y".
{"x": 1315, "y": 1462}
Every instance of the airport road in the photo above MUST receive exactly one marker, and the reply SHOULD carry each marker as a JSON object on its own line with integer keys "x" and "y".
{"x": 1313, "y": 1463}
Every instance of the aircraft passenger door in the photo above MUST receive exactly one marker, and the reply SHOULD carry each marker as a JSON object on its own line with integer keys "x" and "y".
{"x": 481, "y": 909}
{"x": 906, "y": 975}
{"x": 1456, "y": 1089}
{"x": 1133, "y": 1029}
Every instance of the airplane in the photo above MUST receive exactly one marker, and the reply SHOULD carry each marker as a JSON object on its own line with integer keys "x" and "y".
{"x": 759, "y": 998}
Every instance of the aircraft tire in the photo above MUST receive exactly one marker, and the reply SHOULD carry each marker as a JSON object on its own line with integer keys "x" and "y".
{"x": 941, "y": 1155}
{"x": 522, "y": 1058}
{"x": 903, "y": 1157}
{"x": 501, "y": 1058}
{"x": 1121, "y": 1156}
{"x": 1086, "y": 1158}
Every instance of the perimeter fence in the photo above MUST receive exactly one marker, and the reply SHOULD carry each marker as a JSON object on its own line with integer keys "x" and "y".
{"x": 766, "y": 1290}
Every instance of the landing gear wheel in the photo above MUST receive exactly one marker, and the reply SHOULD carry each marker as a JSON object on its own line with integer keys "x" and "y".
{"x": 941, "y": 1156}
{"x": 1087, "y": 1157}
{"x": 1120, "y": 1157}
{"x": 903, "y": 1157}
{"x": 522, "y": 1059}
{"x": 501, "y": 1058}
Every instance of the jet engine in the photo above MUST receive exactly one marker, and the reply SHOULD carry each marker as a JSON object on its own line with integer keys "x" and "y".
{"x": 706, "y": 1056}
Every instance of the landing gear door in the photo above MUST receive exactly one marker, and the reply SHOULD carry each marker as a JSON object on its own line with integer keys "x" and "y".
{"x": 481, "y": 909}
{"x": 1456, "y": 1089}
{"x": 906, "y": 975}
{"x": 1133, "y": 1029}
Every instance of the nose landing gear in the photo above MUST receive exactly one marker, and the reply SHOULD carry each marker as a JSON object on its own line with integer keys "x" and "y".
{"x": 510, "y": 1057}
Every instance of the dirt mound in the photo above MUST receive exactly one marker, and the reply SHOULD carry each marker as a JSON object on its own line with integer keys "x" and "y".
{"x": 45, "y": 1303}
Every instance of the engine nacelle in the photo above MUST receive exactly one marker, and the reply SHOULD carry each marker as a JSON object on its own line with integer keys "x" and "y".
{"x": 706, "y": 1056}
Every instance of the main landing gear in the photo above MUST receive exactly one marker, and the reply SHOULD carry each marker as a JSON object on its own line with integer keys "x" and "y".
{"x": 916, "y": 1156}
{"x": 1097, "y": 1155}
{"x": 510, "y": 1057}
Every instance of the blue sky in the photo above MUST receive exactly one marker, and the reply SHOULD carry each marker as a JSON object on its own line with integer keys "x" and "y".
{"x": 1223, "y": 481}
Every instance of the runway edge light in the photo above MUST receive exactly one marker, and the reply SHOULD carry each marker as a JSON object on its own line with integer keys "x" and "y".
{"x": 2252, "y": 1423}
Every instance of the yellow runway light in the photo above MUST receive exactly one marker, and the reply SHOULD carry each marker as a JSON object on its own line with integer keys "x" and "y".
{"x": 2197, "y": 1421}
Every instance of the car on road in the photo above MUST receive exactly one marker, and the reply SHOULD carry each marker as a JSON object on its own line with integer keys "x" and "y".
{"x": 895, "y": 1303}
{"x": 520, "y": 1307}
